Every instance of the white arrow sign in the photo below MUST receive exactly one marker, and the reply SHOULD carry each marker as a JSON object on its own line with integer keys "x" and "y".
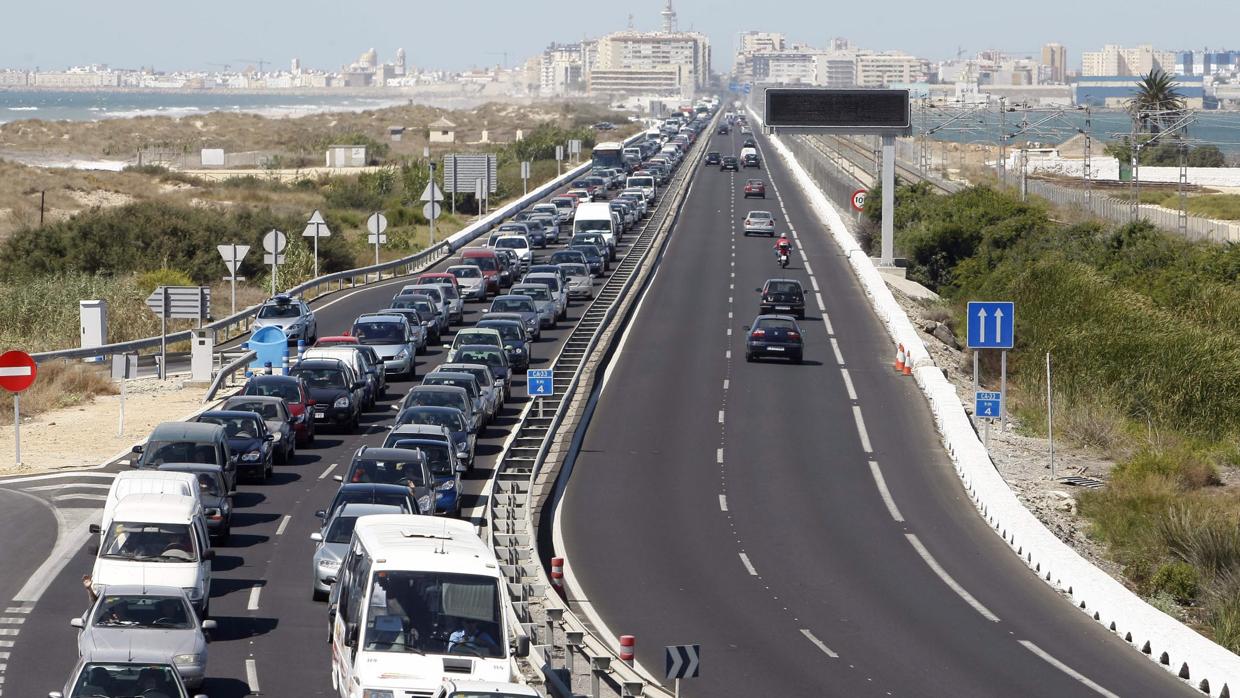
{"x": 998, "y": 323}
{"x": 981, "y": 322}
{"x": 431, "y": 192}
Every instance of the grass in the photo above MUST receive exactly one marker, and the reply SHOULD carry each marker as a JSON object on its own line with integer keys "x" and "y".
{"x": 58, "y": 384}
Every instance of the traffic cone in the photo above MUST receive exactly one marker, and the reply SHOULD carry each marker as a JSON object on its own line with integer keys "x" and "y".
{"x": 900, "y": 357}
{"x": 907, "y": 369}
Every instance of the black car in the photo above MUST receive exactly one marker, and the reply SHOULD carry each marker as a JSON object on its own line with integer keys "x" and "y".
{"x": 371, "y": 493}
{"x": 729, "y": 163}
{"x": 568, "y": 257}
{"x": 390, "y": 466}
{"x": 251, "y": 443}
{"x": 449, "y": 418}
{"x": 594, "y": 257}
{"x": 749, "y": 143}
{"x": 724, "y": 129}
{"x": 335, "y": 390}
{"x": 782, "y": 296}
{"x": 422, "y": 304}
{"x": 713, "y": 158}
{"x": 516, "y": 341}
{"x": 212, "y": 492}
{"x": 774, "y": 335}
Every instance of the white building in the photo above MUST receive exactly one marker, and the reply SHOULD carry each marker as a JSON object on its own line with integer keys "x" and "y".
{"x": 563, "y": 69}
{"x": 675, "y": 63}
{"x": 879, "y": 69}
{"x": 1117, "y": 60}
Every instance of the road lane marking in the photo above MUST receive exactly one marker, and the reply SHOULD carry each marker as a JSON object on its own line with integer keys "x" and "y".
{"x": 18, "y": 620}
{"x": 1066, "y": 669}
{"x": 819, "y": 643}
{"x": 251, "y": 675}
{"x": 808, "y": 270}
{"x": 947, "y": 579}
{"x": 865, "y": 436}
{"x": 723, "y": 502}
{"x": 748, "y": 565}
{"x": 19, "y": 609}
{"x": 725, "y": 383}
{"x": 885, "y": 493}
{"x": 852, "y": 393}
{"x": 728, "y": 354}
{"x": 283, "y": 524}
{"x": 721, "y": 416}
{"x": 254, "y": 592}
{"x": 328, "y": 471}
{"x": 8, "y": 631}
{"x": 88, "y": 485}
{"x": 71, "y": 497}
{"x": 813, "y": 280}
{"x": 827, "y": 321}
{"x": 729, "y": 331}
{"x": 718, "y": 455}
{"x": 729, "y": 314}
{"x": 822, "y": 307}
{"x": 835, "y": 346}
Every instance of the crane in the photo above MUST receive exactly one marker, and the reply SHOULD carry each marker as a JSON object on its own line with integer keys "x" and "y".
{"x": 259, "y": 61}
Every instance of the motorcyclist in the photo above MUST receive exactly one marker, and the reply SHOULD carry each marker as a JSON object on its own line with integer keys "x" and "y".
{"x": 783, "y": 245}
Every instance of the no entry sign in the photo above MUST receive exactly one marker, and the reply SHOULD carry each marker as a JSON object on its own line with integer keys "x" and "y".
{"x": 17, "y": 371}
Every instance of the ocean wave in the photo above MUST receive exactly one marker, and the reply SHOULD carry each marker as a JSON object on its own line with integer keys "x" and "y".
{"x": 157, "y": 111}
{"x": 23, "y": 109}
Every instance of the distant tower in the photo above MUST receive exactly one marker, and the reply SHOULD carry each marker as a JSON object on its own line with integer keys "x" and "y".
{"x": 400, "y": 61}
{"x": 370, "y": 59}
{"x": 631, "y": 21}
{"x": 296, "y": 66}
{"x": 669, "y": 18}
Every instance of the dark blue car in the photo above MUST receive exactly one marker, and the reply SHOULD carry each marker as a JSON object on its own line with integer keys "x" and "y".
{"x": 443, "y": 462}
{"x": 248, "y": 439}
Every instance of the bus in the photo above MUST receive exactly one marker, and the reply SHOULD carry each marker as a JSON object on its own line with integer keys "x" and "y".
{"x": 414, "y": 598}
{"x": 610, "y": 155}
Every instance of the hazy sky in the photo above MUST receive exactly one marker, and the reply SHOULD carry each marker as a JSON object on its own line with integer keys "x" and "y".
{"x": 455, "y": 34}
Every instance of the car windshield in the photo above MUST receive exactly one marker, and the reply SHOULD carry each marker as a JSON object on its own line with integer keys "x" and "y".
{"x": 590, "y": 252}
{"x": 158, "y": 452}
{"x": 783, "y": 287}
{"x": 282, "y": 389}
{"x": 164, "y": 612}
{"x": 512, "y": 305}
{"x": 436, "y": 379}
{"x": 419, "y": 612}
{"x": 453, "y": 421}
{"x": 386, "y": 472}
{"x": 576, "y": 269}
{"x": 266, "y": 410}
{"x": 551, "y": 282}
{"x": 149, "y": 542}
{"x": 759, "y": 214}
{"x": 341, "y": 530}
{"x": 566, "y": 257}
{"x": 755, "y": 182}
{"x": 487, "y": 358}
{"x": 463, "y": 338}
{"x": 512, "y": 243}
{"x": 776, "y": 324}
{"x": 425, "y": 291}
{"x": 321, "y": 377}
{"x": 379, "y": 332}
{"x": 563, "y": 203}
{"x": 449, "y": 291}
{"x": 538, "y": 293}
{"x": 466, "y": 272}
{"x": 279, "y": 311}
{"x": 597, "y": 224}
{"x": 479, "y": 372}
{"x": 209, "y": 484}
{"x": 99, "y": 680}
{"x": 437, "y": 456}
{"x": 484, "y": 263}
{"x": 437, "y": 398}
{"x": 507, "y": 332}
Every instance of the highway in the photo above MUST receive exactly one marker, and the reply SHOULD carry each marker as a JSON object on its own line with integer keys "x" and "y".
{"x": 801, "y": 522}
{"x": 272, "y": 638}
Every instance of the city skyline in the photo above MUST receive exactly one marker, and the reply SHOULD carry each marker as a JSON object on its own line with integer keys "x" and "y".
{"x": 326, "y": 34}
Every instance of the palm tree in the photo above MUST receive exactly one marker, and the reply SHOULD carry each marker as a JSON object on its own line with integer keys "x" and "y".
{"x": 1156, "y": 103}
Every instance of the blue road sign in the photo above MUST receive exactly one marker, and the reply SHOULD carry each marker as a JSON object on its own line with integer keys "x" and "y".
{"x": 992, "y": 324}
{"x": 539, "y": 383}
{"x": 988, "y": 404}
{"x": 748, "y": 88}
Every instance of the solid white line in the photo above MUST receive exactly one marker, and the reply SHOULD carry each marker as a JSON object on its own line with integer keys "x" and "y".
{"x": 721, "y": 416}
{"x": 718, "y": 455}
{"x": 852, "y": 393}
{"x": 885, "y": 493}
{"x": 748, "y": 565}
{"x": 723, "y": 502}
{"x": 71, "y": 497}
{"x": 283, "y": 524}
{"x": 88, "y": 485}
{"x": 947, "y": 579}
{"x": 865, "y": 436}
{"x": 822, "y": 307}
{"x": 328, "y": 471}
{"x": 835, "y": 346}
{"x": 251, "y": 675}
{"x": 819, "y": 643}
{"x": 254, "y": 592}
{"x": 1066, "y": 669}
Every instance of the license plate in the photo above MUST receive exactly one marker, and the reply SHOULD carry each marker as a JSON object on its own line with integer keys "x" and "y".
{"x": 774, "y": 348}
{"x": 320, "y": 415}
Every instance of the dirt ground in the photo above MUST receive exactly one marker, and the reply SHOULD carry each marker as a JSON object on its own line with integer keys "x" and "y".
{"x": 86, "y": 435}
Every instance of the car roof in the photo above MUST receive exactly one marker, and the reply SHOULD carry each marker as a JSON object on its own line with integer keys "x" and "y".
{"x": 449, "y": 375}
{"x": 255, "y": 398}
{"x": 191, "y": 468}
{"x": 185, "y": 431}
{"x": 320, "y": 363}
{"x": 264, "y": 378}
{"x": 366, "y": 509}
{"x": 382, "y": 317}
{"x": 142, "y": 590}
{"x": 371, "y": 487}
{"x": 154, "y": 507}
{"x": 483, "y": 323}
{"x": 513, "y": 296}
{"x": 233, "y": 414}
{"x": 791, "y": 281}
{"x": 441, "y": 388}
{"x": 772, "y": 316}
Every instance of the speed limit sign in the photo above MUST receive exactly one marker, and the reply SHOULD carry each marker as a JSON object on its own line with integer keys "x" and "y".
{"x": 858, "y": 200}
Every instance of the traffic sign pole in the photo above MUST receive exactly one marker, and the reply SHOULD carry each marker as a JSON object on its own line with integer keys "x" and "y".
{"x": 17, "y": 428}
{"x": 17, "y": 372}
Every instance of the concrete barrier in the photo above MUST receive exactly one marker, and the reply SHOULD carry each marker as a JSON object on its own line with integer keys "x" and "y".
{"x": 1203, "y": 664}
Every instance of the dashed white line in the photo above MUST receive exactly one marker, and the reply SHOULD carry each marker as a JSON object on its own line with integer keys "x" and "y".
{"x": 827, "y": 321}
{"x": 848, "y": 384}
{"x": 748, "y": 565}
{"x": 727, "y": 354}
{"x": 729, "y": 314}
{"x": 822, "y": 307}
{"x": 723, "y": 502}
{"x": 254, "y": 592}
{"x": 720, "y": 421}
{"x": 725, "y": 383}
{"x": 6, "y": 643}
{"x": 251, "y": 675}
{"x": 283, "y": 524}
{"x": 819, "y": 643}
{"x": 19, "y": 609}
{"x": 8, "y": 631}
{"x": 18, "y": 620}
{"x": 865, "y": 436}
{"x": 835, "y": 346}
{"x": 1066, "y": 669}
{"x": 813, "y": 281}
{"x": 947, "y": 579}
{"x": 328, "y": 471}
{"x": 729, "y": 331}
{"x": 718, "y": 455}
{"x": 808, "y": 270}
{"x": 885, "y": 493}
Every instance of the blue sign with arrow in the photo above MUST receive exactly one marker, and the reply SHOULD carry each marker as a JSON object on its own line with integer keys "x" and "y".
{"x": 988, "y": 404}
{"x": 992, "y": 325}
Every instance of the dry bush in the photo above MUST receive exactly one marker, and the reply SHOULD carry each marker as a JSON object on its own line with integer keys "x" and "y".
{"x": 58, "y": 384}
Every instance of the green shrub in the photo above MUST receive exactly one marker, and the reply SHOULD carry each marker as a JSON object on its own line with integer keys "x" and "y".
{"x": 1177, "y": 579}
{"x": 151, "y": 280}
{"x": 1203, "y": 535}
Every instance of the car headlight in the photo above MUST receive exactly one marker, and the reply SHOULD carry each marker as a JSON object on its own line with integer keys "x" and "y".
{"x": 404, "y": 354}
{"x": 251, "y": 456}
{"x": 329, "y": 564}
{"x": 446, "y": 486}
{"x": 341, "y": 403}
{"x": 376, "y": 693}
{"x": 185, "y": 659}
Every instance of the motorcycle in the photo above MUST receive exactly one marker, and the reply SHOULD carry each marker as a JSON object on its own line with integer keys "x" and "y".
{"x": 783, "y": 258}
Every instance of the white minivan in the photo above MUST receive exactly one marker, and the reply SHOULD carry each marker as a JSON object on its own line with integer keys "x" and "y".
{"x": 597, "y": 217}
{"x": 157, "y": 539}
{"x": 145, "y": 482}
{"x": 645, "y": 183}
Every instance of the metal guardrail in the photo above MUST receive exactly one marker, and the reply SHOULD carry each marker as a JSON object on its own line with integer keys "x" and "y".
{"x": 509, "y": 514}
{"x": 226, "y": 372}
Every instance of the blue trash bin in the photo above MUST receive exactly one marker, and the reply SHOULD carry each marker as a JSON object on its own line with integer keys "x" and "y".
{"x": 270, "y": 346}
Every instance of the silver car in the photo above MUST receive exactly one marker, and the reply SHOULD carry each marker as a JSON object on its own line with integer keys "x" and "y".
{"x": 139, "y": 672}
{"x": 760, "y": 223}
{"x": 155, "y": 619}
{"x": 417, "y": 325}
{"x": 472, "y": 282}
{"x": 392, "y": 339}
{"x": 447, "y": 296}
{"x": 434, "y": 293}
{"x": 491, "y": 390}
{"x": 291, "y": 315}
{"x": 548, "y": 311}
{"x": 580, "y": 284}
{"x": 550, "y": 226}
{"x": 275, "y": 414}
{"x": 478, "y": 399}
{"x": 561, "y": 217}
{"x": 555, "y": 284}
{"x": 333, "y": 541}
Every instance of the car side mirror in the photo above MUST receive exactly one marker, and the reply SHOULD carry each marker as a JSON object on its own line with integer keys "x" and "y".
{"x": 447, "y": 346}
{"x": 757, "y": 290}
{"x": 95, "y": 529}
{"x": 58, "y": 694}
{"x": 77, "y": 622}
{"x": 321, "y": 513}
{"x": 137, "y": 448}
{"x": 338, "y": 478}
{"x": 316, "y": 537}
{"x": 209, "y": 625}
{"x": 208, "y": 554}
{"x": 271, "y": 437}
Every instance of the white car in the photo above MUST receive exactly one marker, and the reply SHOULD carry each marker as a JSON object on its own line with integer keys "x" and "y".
{"x": 471, "y": 280}
{"x": 561, "y": 216}
{"x": 519, "y": 244}
{"x": 760, "y": 223}
{"x": 477, "y": 689}
{"x": 580, "y": 284}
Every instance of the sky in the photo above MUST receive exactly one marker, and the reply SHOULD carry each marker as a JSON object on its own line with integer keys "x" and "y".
{"x": 175, "y": 34}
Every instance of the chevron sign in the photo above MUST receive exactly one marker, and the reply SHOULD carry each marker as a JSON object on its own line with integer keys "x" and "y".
{"x": 682, "y": 661}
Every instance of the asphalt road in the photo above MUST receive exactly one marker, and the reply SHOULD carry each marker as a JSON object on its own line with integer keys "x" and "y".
{"x": 272, "y": 637}
{"x": 740, "y": 505}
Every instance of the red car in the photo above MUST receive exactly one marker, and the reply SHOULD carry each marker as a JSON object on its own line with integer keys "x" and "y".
{"x": 295, "y": 394}
{"x": 439, "y": 278}
{"x": 755, "y": 187}
{"x": 488, "y": 262}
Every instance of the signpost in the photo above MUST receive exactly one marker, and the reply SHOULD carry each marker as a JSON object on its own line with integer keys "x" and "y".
{"x": 124, "y": 367}
{"x": 316, "y": 228}
{"x": 539, "y": 383}
{"x": 233, "y": 254}
{"x": 376, "y": 224}
{"x": 559, "y": 159}
{"x": 184, "y": 302}
{"x": 574, "y": 149}
{"x": 683, "y": 662}
{"x": 17, "y": 372}
{"x": 815, "y": 111}
{"x": 274, "y": 242}
{"x": 992, "y": 325}
{"x": 432, "y": 196}
{"x": 525, "y": 177}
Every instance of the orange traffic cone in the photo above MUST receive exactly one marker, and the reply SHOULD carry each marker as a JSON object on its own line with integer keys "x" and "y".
{"x": 900, "y": 357}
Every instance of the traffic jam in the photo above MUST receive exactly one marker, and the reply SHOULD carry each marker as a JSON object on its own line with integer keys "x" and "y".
{"x": 407, "y": 586}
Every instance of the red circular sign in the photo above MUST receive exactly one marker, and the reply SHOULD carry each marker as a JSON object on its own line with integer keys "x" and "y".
{"x": 858, "y": 199}
{"x": 17, "y": 371}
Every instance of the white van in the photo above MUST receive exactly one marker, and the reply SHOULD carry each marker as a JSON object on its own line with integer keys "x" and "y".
{"x": 146, "y": 482}
{"x": 645, "y": 183}
{"x": 597, "y": 217}
{"x": 417, "y": 599}
{"x": 160, "y": 540}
